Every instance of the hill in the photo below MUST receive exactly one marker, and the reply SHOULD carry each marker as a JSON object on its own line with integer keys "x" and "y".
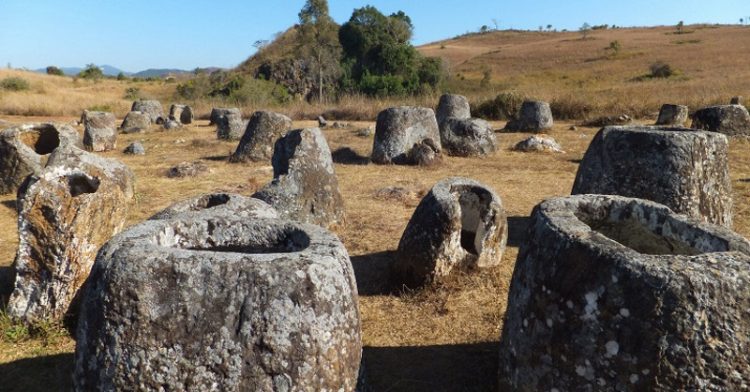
{"x": 562, "y": 67}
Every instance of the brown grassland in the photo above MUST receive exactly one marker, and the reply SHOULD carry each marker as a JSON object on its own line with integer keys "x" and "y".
{"x": 442, "y": 338}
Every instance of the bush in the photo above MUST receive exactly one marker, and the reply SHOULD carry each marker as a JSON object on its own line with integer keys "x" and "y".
{"x": 570, "y": 108}
{"x": 503, "y": 107}
{"x": 52, "y": 70}
{"x": 91, "y": 72}
{"x": 661, "y": 70}
{"x": 100, "y": 108}
{"x": 132, "y": 93}
{"x": 14, "y": 84}
{"x": 252, "y": 91}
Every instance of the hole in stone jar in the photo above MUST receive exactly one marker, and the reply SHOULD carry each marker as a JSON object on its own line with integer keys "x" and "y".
{"x": 211, "y": 201}
{"x": 278, "y": 240}
{"x": 475, "y": 205}
{"x": 43, "y": 140}
{"x": 629, "y": 230}
{"x": 80, "y": 184}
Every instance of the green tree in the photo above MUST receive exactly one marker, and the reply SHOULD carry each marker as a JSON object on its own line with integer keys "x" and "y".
{"x": 121, "y": 76}
{"x": 52, "y": 70}
{"x": 378, "y": 58}
{"x": 585, "y": 28}
{"x": 318, "y": 43}
{"x": 680, "y": 25}
{"x": 614, "y": 47}
{"x": 91, "y": 72}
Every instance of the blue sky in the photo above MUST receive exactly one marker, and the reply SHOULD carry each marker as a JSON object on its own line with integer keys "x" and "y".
{"x": 138, "y": 34}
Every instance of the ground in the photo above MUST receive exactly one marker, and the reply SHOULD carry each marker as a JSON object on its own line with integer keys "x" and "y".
{"x": 438, "y": 339}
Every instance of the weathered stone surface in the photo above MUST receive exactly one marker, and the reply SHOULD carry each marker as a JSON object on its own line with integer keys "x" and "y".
{"x": 135, "y": 122}
{"x": 220, "y": 303}
{"x": 230, "y": 126}
{"x": 322, "y": 122}
{"x": 730, "y": 120}
{"x": 24, "y": 150}
{"x": 538, "y": 143}
{"x": 618, "y": 294}
{"x": 425, "y": 153}
{"x": 605, "y": 121}
{"x": 217, "y": 113}
{"x": 452, "y": 105}
{"x": 467, "y": 137}
{"x": 398, "y": 129}
{"x": 66, "y": 212}
{"x": 684, "y": 169}
{"x": 460, "y": 224}
{"x": 171, "y": 124}
{"x": 262, "y": 131}
{"x": 219, "y": 203}
{"x": 100, "y": 133}
{"x": 188, "y": 169}
{"x": 152, "y": 108}
{"x": 534, "y": 116}
{"x": 181, "y": 113}
{"x": 304, "y": 186}
{"x": 737, "y": 101}
{"x": 135, "y": 148}
{"x": 674, "y": 115}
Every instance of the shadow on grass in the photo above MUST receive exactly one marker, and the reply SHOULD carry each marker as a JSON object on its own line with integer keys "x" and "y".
{"x": 518, "y": 226}
{"x": 217, "y": 158}
{"x": 9, "y": 203}
{"x": 347, "y": 156}
{"x": 373, "y": 273}
{"x": 7, "y": 281}
{"x": 48, "y": 373}
{"x": 576, "y": 161}
{"x": 460, "y": 367}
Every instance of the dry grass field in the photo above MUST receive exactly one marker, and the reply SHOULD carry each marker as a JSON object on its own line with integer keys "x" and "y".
{"x": 442, "y": 338}
{"x": 438, "y": 339}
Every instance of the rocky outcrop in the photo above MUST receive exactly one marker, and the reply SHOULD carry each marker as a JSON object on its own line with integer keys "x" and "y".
{"x": 292, "y": 73}
{"x": 534, "y": 116}
{"x": 258, "y": 141}
{"x": 452, "y": 105}
{"x": 731, "y": 120}
{"x": 467, "y": 137}
{"x": 216, "y": 204}
{"x": 304, "y": 186}
{"x": 217, "y": 113}
{"x": 99, "y": 131}
{"x": 152, "y": 108}
{"x": 672, "y": 115}
{"x": 618, "y": 294}
{"x": 398, "y": 129}
{"x": 230, "y": 126}
{"x": 24, "y": 150}
{"x": 538, "y": 143}
{"x": 181, "y": 113}
{"x": 684, "y": 169}
{"x": 460, "y": 225}
{"x": 220, "y": 303}
{"x": 135, "y": 122}
{"x": 66, "y": 212}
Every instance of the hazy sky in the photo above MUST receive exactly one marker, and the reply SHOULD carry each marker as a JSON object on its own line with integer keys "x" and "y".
{"x": 138, "y": 34}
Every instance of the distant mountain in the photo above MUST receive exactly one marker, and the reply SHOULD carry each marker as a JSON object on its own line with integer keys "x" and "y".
{"x": 159, "y": 72}
{"x": 110, "y": 70}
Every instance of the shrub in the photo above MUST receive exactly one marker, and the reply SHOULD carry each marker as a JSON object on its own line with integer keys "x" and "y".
{"x": 570, "y": 108}
{"x": 100, "y": 108}
{"x": 52, "y": 70}
{"x": 91, "y": 72}
{"x": 121, "y": 76}
{"x": 132, "y": 93}
{"x": 14, "y": 83}
{"x": 661, "y": 69}
{"x": 503, "y": 107}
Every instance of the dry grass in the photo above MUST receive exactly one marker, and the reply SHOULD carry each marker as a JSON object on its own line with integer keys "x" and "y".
{"x": 712, "y": 62}
{"x": 441, "y": 338}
